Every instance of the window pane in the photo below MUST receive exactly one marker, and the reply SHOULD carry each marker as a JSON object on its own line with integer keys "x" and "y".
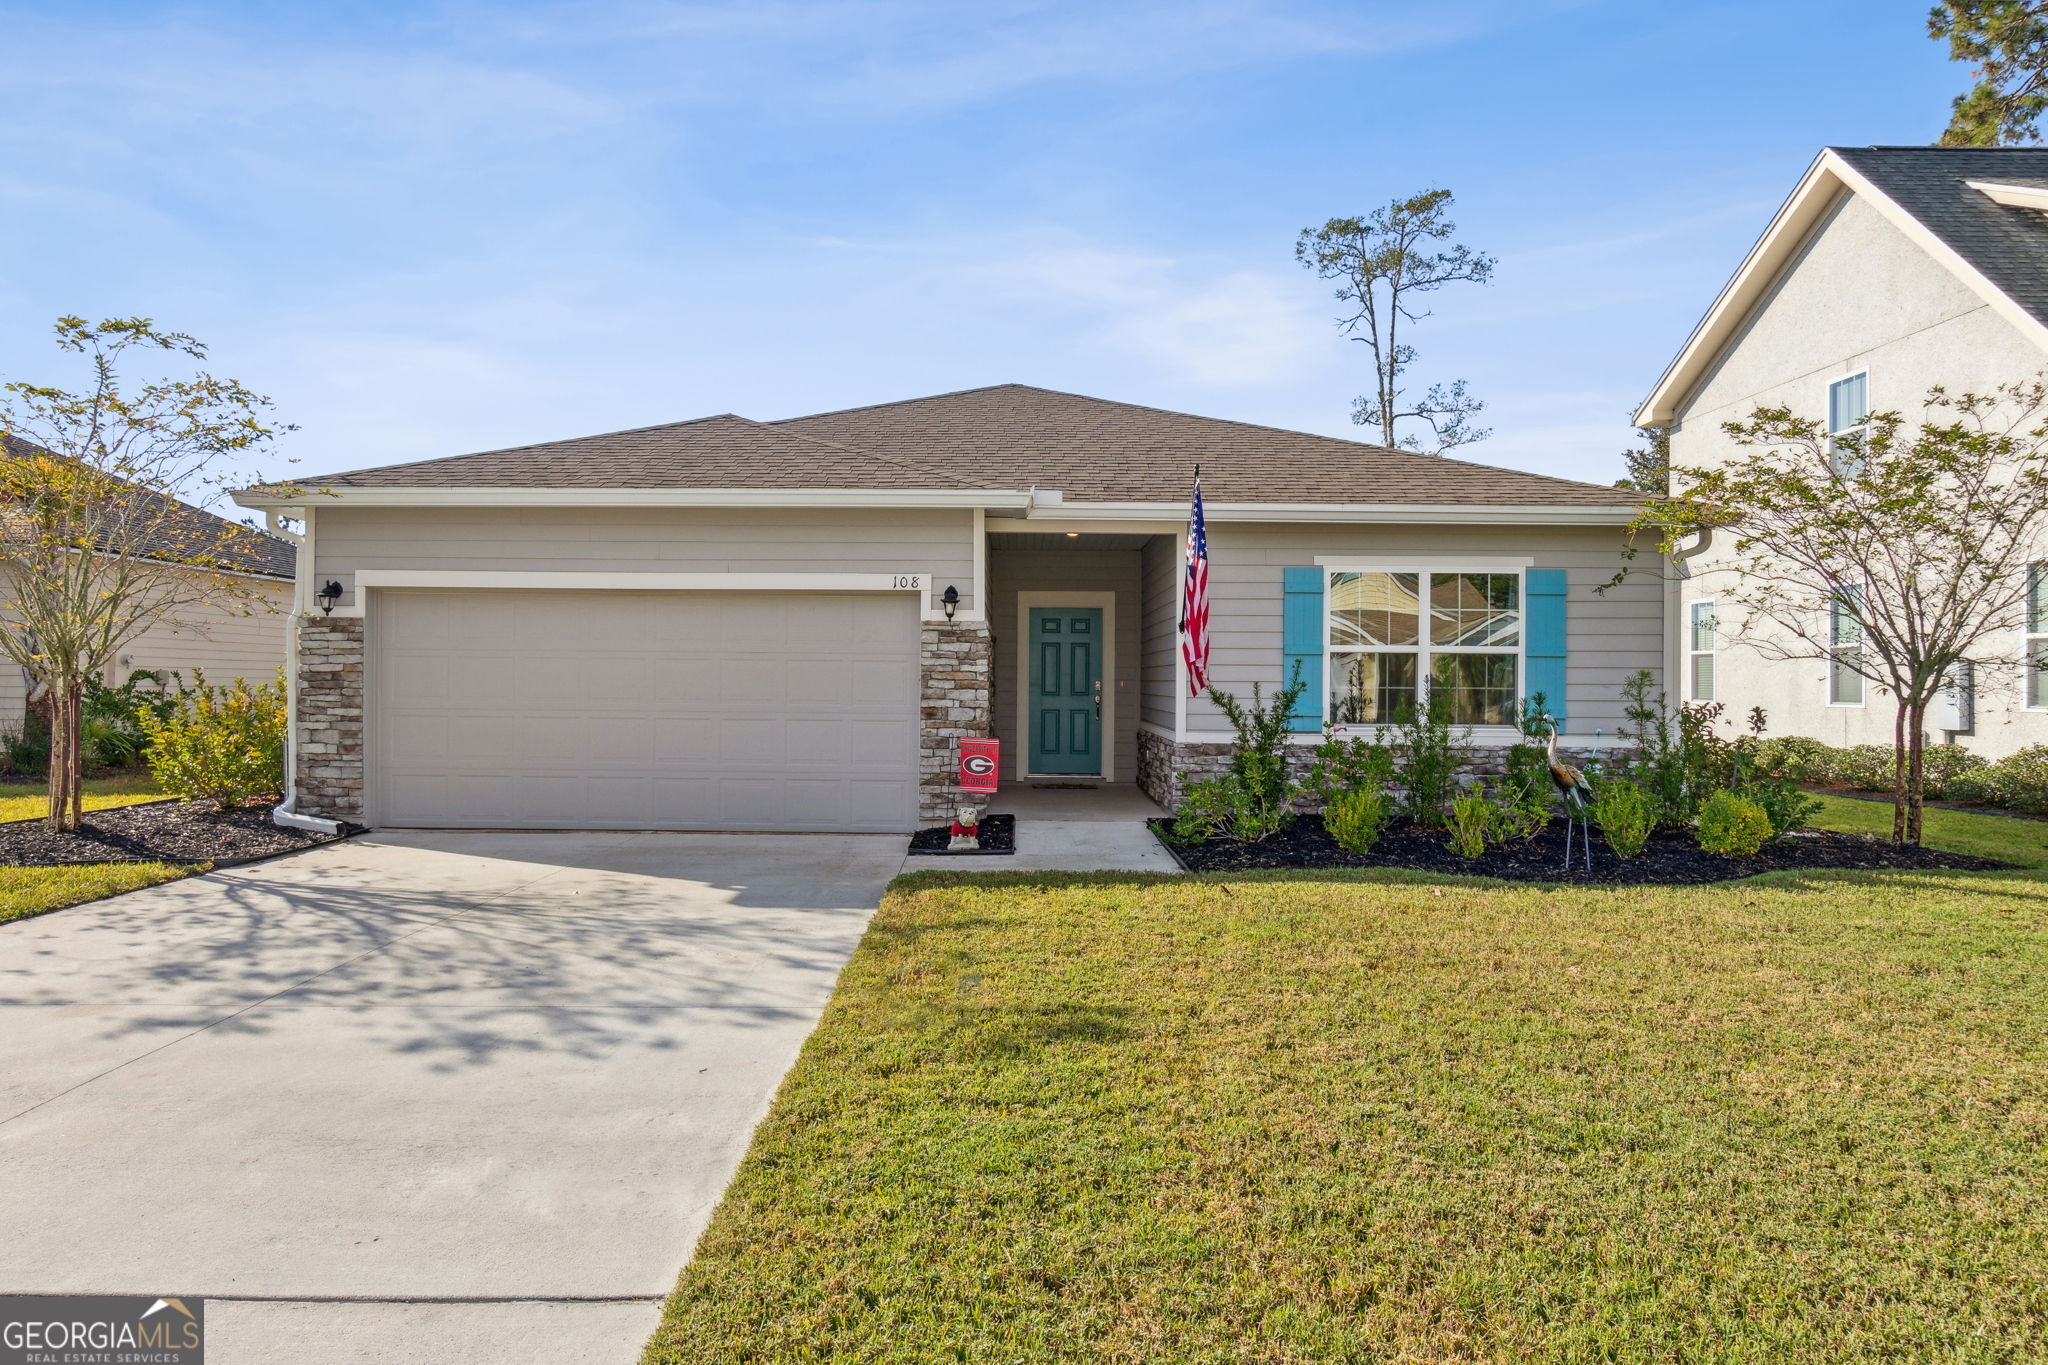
{"x": 1369, "y": 689}
{"x": 1845, "y": 684}
{"x": 1848, "y": 402}
{"x": 1703, "y": 625}
{"x": 2037, "y": 676}
{"x": 2037, "y": 599}
{"x": 1702, "y": 677}
{"x": 1475, "y": 608}
{"x": 1481, "y": 687}
{"x": 1844, "y": 627}
{"x": 1374, "y": 609}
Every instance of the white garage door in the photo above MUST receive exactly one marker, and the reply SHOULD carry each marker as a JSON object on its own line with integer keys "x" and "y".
{"x": 643, "y": 710}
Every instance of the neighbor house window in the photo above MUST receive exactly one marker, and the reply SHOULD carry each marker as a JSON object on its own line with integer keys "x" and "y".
{"x": 2037, "y": 636}
{"x": 1845, "y": 647}
{"x": 1700, "y": 649}
{"x": 1390, "y": 630}
{"x": 1848, "y": 416}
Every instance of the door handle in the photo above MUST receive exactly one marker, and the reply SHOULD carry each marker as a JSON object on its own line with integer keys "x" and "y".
{"x": 1098, "y": 699}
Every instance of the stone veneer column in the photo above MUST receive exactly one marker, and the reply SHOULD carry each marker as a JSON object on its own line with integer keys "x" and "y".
{"x": 955, "y": 665}
{"x": 328, "y": 754}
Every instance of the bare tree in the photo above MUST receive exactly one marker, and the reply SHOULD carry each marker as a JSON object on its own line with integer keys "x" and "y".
{"x": 1382, "y": 262}
{"x": 1899, "y": 554}
{"x": 96, "y": 546}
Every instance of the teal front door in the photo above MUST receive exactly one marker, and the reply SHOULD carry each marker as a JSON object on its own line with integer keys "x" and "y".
{"x": 1066, "y": 690}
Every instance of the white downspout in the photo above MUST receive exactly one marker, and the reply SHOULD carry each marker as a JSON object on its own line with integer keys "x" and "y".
{"x": 285, "y": 814}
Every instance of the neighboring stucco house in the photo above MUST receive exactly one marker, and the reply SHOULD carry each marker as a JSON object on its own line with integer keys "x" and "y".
{"x": 247, "y": 639}
{"x": 1889, "y": 270}
{"x": 731, "y": 624}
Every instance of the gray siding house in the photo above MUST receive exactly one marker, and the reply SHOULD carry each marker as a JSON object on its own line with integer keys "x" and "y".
{"x": 1889, "y": 270}
{"x": 787, "y": 625}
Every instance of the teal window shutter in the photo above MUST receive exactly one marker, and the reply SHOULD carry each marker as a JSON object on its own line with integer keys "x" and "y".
{"x": 1545, "y": 615}
{"x": 1301, "y": 643}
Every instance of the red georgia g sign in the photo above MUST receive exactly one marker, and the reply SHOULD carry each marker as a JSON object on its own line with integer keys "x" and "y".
{"x": 978, "y": 758}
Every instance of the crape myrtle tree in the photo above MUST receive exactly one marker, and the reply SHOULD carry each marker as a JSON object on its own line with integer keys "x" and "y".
{"x": 1901, "y": 553}
{"x": 2007, "y": 43}
{"x": 96, "y": 545}
{"x": 1383, "y": 263}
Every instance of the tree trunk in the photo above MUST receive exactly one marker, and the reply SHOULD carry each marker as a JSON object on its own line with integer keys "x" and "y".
{"x": 1916, "y": 770}
{"x": 1899, "y": 773}
{"x": 67, "y": 788}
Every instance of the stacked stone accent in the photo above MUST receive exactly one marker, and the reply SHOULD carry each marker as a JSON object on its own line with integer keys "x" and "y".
{"x": 327, "y": 754}
{"x": 955, "y": 664}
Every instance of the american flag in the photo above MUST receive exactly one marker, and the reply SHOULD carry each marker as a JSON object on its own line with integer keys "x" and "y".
{"x": 1194, "y": 599}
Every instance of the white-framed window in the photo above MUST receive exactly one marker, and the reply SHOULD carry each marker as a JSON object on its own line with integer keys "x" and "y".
{"x": 1699, "y": 645}
{"x": 1390, "y": 629}
{"x": 1848, "y": 415}
{"x": 2037, "y": 637}
{"x": 1845, "y": 646}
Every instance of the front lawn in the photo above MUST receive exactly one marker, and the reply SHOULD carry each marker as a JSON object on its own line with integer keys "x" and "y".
{"x": 2008, "y": 838}
{"x": 1374, "y": 1117}
{"x": 26, "y": 891}
{"x": 25, "y": 802}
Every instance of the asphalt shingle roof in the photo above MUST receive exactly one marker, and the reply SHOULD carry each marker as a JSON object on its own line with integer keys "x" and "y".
{"x": 2008, "y": 245}
{"x": 1007, "y": 436}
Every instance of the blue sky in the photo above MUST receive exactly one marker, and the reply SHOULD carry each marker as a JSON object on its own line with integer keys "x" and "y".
{"x": 427, "y": 229}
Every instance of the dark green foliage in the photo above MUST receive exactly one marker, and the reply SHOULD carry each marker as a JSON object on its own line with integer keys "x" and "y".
{"x": 109, "y": 724}
{"x": 1527, "y": 779}
{"x": 1733, "y": 826}
{"x": 2018, "y": 782}
{"x": 1649, "y": 464}
{"x": 1432, "y": 750}
{"x": 25, "y": 748}
{"x": 1204, "y": 812}
{"x": 2006, "y": 44}
{"x": 1357, "y": 818}
{"x": 1251, "y": 800}
{"x": 1672, "y": 755}
{"x": 1471, "y": 824}
{"x": 1626, "y": 814}
{"x": 1348, "y": 765}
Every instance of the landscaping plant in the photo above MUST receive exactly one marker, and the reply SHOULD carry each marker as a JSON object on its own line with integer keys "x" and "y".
{"x": 1756, "y": 777}
{"x": 1357, "y": 818}
{"x": 1472, "y": 823}
{"x": 1528, "y": 762}
{"x": 1733, "y": 826}
{"x": 1432, "y": 750}
{"x": 109, "y": 728}
{"x": 1673, "y": 754}
{"x": 1256, "y": 793}
{"x": 1626, "y": 814}
{"x": 1204, "y": 811}
{"x": 224, "y": 744}
{"x": 1341, "y": 766}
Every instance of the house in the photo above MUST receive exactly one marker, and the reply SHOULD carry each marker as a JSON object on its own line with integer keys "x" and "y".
{"x": 1889, "y": 270}
{"x": 244, "y": 640}
{"x": 787, "y": 625}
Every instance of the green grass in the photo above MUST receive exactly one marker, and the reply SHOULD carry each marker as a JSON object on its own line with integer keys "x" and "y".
{"x": 26, "y": 891}
{"x": 2008, "y": 838}
{"x": 1378, "y": 1117}
{"x": 21, "y": 802}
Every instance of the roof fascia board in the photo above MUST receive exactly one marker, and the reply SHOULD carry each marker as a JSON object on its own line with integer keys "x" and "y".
{"x": 632, "y": 497}
{"x": 1435, "y": 514}
{"x": 1788, "y": 231}
{"x": 2012, "y": 196}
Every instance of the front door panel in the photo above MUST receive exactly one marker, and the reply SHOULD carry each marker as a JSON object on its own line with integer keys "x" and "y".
{"x": 1066, "y": 689}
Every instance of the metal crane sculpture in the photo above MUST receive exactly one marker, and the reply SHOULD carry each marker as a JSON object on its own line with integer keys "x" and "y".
{"x": 1578, "y": 798}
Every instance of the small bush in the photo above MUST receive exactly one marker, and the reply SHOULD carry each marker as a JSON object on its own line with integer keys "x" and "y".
{"x": 2020, "y": 780}
{"x": 110, "y": 730}
{"x": 1472, "y": 824}
{"x": 1626, "y": 814}
{"x": 1356, "y": 819}
{"x": 1733, "y": 826}
{"x": 25, "y": 748}
{"x": 1204, "y": 811}
{"x": 1432, "y": 751}
{"x": 223, "y": 744}
{"x": 1342, "y": 766}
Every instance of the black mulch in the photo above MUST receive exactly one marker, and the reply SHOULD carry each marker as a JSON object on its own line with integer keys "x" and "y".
{"x": 162, "y": 831}
{"x": 1670, "y": 858}
{"x": 998, "y": 835}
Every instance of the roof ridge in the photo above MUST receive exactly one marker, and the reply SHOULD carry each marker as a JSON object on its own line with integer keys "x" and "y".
{"x": 1197, "y": 417}
{"x": 892, "y": 461}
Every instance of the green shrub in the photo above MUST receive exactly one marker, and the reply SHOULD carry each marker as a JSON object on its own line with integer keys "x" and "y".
{"x": 1626, "y": 814}
{"x": 1341, "y": 766}
{"x": 110, "y": 730}
{"x": 1472, "y": 824}
{"x": 1733, "y": 826}
{"x": 1943, "y": 765}
{"x": 2020, "y": 781}
{"x": 25, "y": 748}
{"x": 1527, "y": 776}
{"x": 1673, "y": 755}
{"x": 1800, "y": 759}
{"x": 1357, "y": 818}
{"x": 1432, "y": 751}
{"x": 1204, "y": 812}
{"x": 223, "y": 744}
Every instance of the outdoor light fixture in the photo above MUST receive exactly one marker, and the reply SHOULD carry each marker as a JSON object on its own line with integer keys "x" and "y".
{"x": 1073, "y": 535}
{"x": 328, "y": 596}
{"x": 950, "y": 600}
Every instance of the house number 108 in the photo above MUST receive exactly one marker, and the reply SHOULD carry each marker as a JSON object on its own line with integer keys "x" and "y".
{"x": 907, "y": 580}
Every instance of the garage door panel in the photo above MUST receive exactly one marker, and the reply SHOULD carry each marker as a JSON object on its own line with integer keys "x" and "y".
{"x": 644, "y": 710}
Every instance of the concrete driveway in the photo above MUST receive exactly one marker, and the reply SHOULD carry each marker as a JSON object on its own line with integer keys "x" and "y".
{"x": 418, "y": 1097}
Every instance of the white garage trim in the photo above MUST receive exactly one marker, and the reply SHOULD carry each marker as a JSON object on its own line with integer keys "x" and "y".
{"x": 1025, "y": 602}
{"x": 910, "y": 580}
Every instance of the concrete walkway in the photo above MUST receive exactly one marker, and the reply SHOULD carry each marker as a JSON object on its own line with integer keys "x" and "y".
{"x": 360, "y": 1098}
{"x": 1070, "y": 828}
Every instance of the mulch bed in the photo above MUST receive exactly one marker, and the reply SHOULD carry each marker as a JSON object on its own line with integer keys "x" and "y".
{"x": 998, "y": 835}
{"x": 161, "y": 831}
{"x": 1670, "y": 858}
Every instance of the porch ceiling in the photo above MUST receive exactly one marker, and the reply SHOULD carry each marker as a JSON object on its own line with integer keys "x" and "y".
{"x": 1023, "y": 540}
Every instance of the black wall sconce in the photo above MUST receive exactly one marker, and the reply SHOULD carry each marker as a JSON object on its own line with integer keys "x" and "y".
{"x": 328, "y": 596}
{"x": 950, "y": 600}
